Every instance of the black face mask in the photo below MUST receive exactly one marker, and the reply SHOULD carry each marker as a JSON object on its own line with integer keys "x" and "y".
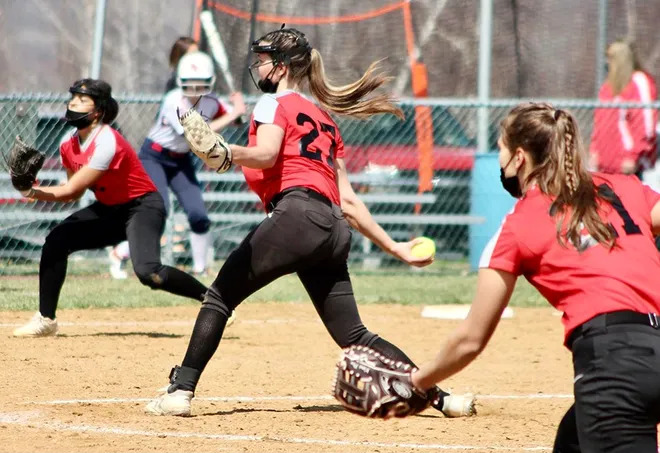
{"x": 79, "y": 120}
{"x": 267, "y": 86}
{"x": 511, "y": 183}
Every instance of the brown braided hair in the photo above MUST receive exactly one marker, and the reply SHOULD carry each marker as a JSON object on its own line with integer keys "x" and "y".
{"x": 552, "y": 138}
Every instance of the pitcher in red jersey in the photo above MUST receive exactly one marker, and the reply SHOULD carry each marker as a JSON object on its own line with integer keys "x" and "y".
{"x": 294, "y": 162}
{"x": 585, "y": 241}
{"x": 128, "y": 206}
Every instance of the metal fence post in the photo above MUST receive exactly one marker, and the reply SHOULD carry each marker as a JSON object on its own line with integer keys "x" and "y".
{"x": 601, "y": 45}
{"x": 485, "y": 48}
{"x": 97, "y": 48}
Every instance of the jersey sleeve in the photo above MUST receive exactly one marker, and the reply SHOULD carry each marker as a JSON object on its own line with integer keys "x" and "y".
{"x": 170, "y": 104}
{"x": 641, "y": 122}
{"x": 64, "y": 144}
{"x": 105, "y": 151}
{"x": 222, "y": 109}
{"x": 651, "y": 196}
{"x": 269, "y": 111}
{"x": 339, "y": 153}
{"x": 503, "y": 250}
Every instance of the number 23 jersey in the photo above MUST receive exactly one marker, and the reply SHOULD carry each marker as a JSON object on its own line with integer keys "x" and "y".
{"x": 596, "y": 280}
{"x": 309, "y": 148}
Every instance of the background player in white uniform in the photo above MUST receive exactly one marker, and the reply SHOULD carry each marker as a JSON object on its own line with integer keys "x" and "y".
{"x": 185, "y": 44}
{"x": 166, "y": 155}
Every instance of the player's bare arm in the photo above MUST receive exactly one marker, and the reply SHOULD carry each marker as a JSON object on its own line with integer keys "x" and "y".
{"x": 358, "y": 216}
{"x": 73, "y": 189}
{"x": 225, "y": 120}
{"x": 465, "y": 343}
{"x": 264, "y": 153}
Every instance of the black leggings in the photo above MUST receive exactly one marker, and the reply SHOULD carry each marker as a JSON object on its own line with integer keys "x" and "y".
{"x": 302, "y": 235}
{"x": 141, "y": 221}
{"x": 617, "y": 391}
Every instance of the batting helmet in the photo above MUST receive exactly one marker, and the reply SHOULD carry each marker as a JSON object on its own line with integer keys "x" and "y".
{"x": 195, "y": 74}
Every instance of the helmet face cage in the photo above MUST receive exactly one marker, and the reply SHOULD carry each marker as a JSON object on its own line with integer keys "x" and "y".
{"x": 88, "y": 88}
{"x": 98, "y": 90}
{"x": 196, "y": 87}
{"x": 82, "y": 89}
{"x": 279, "y": 56}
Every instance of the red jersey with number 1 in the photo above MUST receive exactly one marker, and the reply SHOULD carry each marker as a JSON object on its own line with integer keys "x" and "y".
{"x": 596, "y": 280}
{"x": 310, "y": 145}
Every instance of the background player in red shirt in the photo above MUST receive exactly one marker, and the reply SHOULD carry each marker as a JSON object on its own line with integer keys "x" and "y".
{"x": 98, "y": 158}
{"x": 624, "y": 139}
{"x": 294, "y": 162}
{"x": 585, "y": 241}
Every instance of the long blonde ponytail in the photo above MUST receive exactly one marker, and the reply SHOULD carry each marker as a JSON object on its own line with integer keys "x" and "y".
{"x": 350, "y": 99}
{"x": 290, "y": 47}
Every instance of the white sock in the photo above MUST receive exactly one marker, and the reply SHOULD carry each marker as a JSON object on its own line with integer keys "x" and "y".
{"x": 199, "y": 244}
{"x": 122, "y": 250}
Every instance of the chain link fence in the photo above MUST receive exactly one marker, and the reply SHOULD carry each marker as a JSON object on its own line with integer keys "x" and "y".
{"x": 382, "y": 156}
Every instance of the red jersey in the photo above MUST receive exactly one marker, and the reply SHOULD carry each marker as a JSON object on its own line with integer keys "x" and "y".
{"x": 596, "y": 280}
{"x": 621, "y": 133}
{"x": 124, "y": 177}
{"x": 310, "y": 145}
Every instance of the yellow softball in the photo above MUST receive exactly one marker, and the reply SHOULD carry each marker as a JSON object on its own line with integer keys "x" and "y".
{"x": 424, "y": 248}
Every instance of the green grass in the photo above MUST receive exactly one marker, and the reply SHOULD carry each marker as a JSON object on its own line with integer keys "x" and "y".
{"x": 89, "y": 286}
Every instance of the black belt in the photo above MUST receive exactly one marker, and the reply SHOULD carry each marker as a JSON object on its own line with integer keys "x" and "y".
{"x": 612, "y": 319}
{"x": 313, "y": 194}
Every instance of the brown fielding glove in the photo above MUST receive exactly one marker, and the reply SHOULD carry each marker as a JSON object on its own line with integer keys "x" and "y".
{"x": 369, "y": 384}
{"x": 24, "y": 163}
{"x": 209, "y": 146}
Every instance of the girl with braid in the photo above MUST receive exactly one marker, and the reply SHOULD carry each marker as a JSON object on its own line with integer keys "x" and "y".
{"x": 294, "y": 161}
{"x": 585, "y": 241}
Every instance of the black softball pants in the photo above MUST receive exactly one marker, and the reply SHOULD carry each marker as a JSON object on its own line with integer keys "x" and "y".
{"x": 617, "y": 391}
{"x": 305, "y": 234}
{"x": 141, "y": 221}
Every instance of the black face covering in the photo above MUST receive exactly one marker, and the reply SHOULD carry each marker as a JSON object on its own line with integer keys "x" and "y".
{"x": 79, "y": 120}
{"x": 267, "y": 86}
{"x": 511, "y": 183}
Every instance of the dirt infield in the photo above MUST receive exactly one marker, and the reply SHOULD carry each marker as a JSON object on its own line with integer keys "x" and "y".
{"x": 267, "y": 388}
